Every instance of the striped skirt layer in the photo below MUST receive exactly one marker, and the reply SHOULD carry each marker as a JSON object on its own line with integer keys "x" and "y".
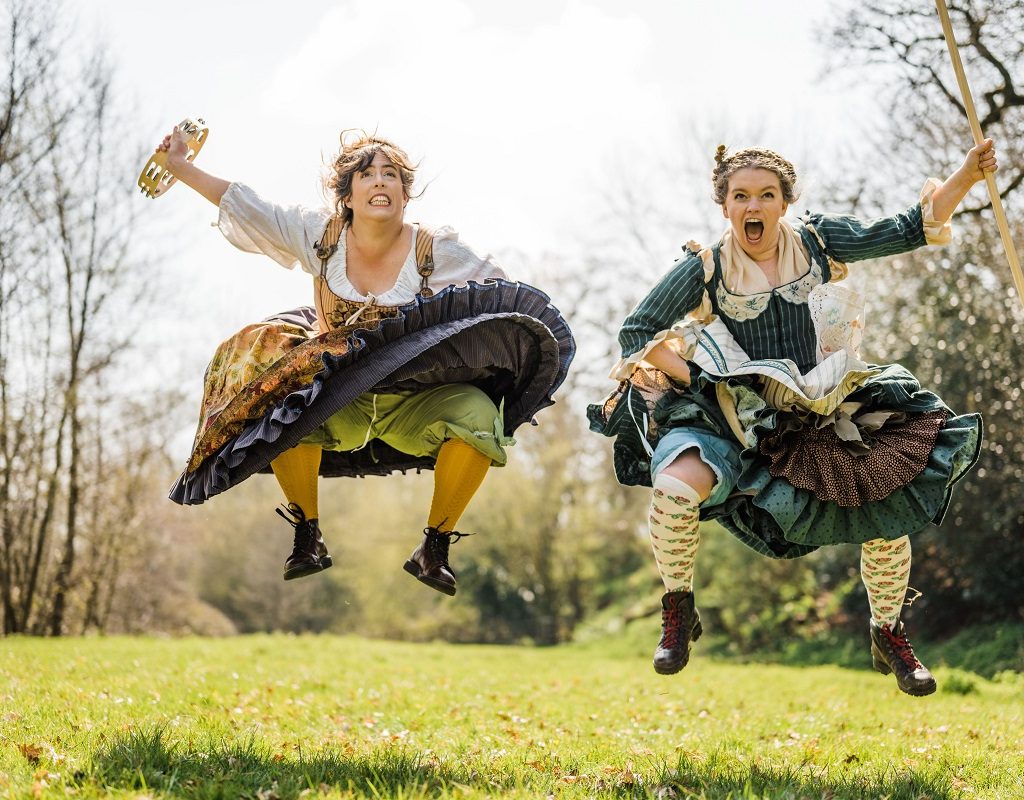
{"x": 276, "y": 382}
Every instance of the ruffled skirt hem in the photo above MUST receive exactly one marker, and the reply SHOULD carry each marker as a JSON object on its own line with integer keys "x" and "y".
{"x": 504, "y": 337}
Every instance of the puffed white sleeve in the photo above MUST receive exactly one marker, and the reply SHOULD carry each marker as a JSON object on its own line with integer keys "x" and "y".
{"x": 285, "y": 233}
{"x": 455, "y": 262}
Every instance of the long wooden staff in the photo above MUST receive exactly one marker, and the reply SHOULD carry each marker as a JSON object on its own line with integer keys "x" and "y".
{"x": 979, "y": 137}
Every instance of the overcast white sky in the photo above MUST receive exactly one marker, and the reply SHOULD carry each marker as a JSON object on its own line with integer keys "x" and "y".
{"x": 515, "y": 109}
{"x": 518, "y": 112}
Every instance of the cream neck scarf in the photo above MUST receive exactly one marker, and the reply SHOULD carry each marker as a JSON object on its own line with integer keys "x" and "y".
{"x": 742, "y": 274}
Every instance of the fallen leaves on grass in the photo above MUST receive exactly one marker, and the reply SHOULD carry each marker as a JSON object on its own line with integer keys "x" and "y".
{"x": 31, "y": 752}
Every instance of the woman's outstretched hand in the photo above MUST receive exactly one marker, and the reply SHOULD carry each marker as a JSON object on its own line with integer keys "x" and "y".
{"x": 175, "y": 144}
{"x": 980, "y": 159}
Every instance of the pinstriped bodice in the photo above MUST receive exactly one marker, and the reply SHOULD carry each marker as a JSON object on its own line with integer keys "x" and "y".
{"x": 779, "y": 324}
{"x": 784, "y": 328}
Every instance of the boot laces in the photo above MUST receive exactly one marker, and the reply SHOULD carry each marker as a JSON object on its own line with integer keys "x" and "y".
{"x": 294, "y": 516}
{"x": 901, "y": 646}
{"x": 438, "y": 542}
{"x": 671, "y": 627}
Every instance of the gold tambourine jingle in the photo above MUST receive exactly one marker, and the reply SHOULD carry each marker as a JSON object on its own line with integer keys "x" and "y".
{"x": 155, "y": 179}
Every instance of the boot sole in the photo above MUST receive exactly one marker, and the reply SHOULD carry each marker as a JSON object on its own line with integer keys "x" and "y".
{"x": 414, "y": 569}
{"x": 308, "y": 569}
{"x": 698, "y": 629}
{"x": 914, "y": 691}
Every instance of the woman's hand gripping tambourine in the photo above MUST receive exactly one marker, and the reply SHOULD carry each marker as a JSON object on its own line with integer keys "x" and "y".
{"x": 155, "y": 178}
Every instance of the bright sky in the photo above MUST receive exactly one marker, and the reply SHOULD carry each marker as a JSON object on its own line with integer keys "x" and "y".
{"x": 520, "y": 113}
{"x": 516, "y": 110}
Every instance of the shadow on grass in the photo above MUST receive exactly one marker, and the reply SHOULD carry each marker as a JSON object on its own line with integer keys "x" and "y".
{"x": 148, "y": 761}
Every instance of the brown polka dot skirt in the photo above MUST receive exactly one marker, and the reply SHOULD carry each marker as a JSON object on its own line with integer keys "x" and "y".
{"x": 818, "y": 461}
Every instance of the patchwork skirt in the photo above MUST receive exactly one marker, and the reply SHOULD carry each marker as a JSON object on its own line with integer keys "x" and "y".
{"x": 274, "y": 383}
{"x": 860, "y": 452}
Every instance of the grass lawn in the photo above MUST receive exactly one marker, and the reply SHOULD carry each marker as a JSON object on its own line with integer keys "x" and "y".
{"x": 267, "y": 717}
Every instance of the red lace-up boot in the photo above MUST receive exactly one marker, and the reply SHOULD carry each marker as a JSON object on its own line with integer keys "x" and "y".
{"x": 680, "y": 625}
{"x": 891, "y": 652}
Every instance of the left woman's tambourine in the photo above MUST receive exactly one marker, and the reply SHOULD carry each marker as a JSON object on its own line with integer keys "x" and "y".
{"x": 155, "y": 179}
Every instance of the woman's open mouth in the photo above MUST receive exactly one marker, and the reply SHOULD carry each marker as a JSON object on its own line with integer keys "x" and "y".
{"x": 380, "y": 200}
{"x": 753, "y": 230}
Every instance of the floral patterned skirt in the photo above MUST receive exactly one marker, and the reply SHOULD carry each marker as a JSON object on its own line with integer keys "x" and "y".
{"x": 275, "y": 382}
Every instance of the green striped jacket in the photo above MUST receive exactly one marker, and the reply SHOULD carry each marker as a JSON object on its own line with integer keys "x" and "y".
{"x": 784, "y": 328}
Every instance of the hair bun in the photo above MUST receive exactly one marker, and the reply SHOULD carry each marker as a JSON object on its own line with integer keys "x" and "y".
{"x": 720, "y": 153}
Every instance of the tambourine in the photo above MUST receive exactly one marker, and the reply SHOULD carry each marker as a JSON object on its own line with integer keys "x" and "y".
{"x": 155, "y": 179}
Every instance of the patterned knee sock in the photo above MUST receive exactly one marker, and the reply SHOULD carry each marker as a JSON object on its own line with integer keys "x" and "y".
{"x": 885, "y": 570}
{"x": 459, "y": 471}
{"x": 674, "y": 533}
{"x": 297, "y": 471}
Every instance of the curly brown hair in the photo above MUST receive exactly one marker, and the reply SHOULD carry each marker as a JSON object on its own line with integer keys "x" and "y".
{"x": 755, "y": 158}
{"x": 358, "y": 149}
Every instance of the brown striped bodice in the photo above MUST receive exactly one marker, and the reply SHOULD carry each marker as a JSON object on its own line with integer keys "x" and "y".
{"x": 333, "y": 312}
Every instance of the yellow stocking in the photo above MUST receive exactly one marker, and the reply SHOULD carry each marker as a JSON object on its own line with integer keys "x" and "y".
{"x": 459, "y": 471}
{"x": 297, "y": 471}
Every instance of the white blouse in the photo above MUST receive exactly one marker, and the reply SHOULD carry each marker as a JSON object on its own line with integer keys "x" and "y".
{"x": 288, "y": 235}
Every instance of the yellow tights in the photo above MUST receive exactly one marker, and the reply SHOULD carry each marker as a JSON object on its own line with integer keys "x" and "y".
{"x": 297, "y": 470}
{"x": 459, "y": 471}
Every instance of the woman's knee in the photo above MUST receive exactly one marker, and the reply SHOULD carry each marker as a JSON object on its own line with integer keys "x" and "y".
{"x": 689, "y": 468}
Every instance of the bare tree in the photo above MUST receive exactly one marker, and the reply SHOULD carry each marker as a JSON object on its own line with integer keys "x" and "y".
{"x": 952, "y": 315}
{"x": 28, "y": 82}
{"x": 902, "y": 43}
{"x": 74, "y": 458}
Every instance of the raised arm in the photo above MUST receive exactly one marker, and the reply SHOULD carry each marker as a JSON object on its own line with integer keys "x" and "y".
{"x": 209, "y": 186}
{"x": 250, "y": 223}
{"x": 979, "y": 159}
{"x": 851, "y": 239}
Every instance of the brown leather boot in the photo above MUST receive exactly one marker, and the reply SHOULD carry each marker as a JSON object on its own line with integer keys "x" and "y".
{"x": 680, "y": 625}
{"x": 891, "y": 652}
{"x": 429, "y": 562}
{"x": 309, "y": 553}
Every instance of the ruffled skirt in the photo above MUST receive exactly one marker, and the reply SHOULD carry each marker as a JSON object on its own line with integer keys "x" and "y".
{"x": 877, "y": 457}
{"x": 275, "y": 382}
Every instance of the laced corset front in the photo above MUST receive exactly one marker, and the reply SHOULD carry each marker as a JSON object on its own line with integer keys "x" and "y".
{"x": 334, "y": 312}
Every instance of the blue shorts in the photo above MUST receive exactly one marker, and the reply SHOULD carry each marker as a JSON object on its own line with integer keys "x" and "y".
{"x": 719, "y": 453}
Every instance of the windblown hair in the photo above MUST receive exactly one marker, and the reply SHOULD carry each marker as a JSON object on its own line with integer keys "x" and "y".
{"x": 755, "y": 158}
{"x": 358, "y": 149}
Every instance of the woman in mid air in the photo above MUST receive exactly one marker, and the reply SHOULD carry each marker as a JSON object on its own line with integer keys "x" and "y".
{"x": 743, "y": 399}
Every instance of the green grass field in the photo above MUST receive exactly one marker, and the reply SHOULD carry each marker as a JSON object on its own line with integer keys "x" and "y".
{"x": 267, "y": 717}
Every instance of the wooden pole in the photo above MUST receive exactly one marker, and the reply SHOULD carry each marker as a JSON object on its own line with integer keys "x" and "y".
{"x": 979, "y": 137}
